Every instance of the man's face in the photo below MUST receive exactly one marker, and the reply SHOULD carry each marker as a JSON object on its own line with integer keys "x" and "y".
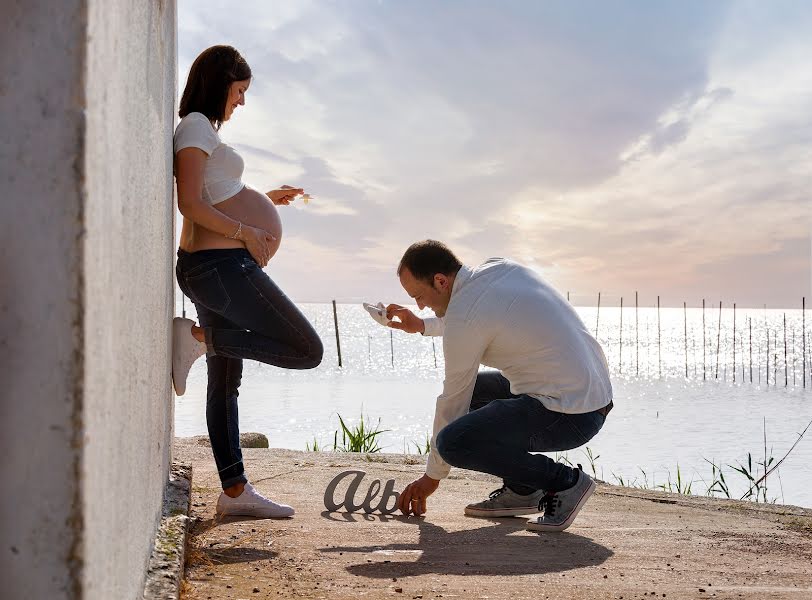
{"x": 435, "y": 296}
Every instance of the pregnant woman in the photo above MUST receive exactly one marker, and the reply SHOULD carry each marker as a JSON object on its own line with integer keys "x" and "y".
{"x": 230, "y": 232}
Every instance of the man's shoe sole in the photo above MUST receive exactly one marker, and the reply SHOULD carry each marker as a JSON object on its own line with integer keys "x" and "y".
{"x": 536, "y": 526}
{"x": 500, "y": 512}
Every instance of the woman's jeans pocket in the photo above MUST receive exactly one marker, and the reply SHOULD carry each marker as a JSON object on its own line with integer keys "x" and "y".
{"x": 207, "y": 289}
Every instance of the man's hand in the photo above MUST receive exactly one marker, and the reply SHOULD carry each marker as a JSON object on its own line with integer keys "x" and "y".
{"x": 284, "y": 195}
{"x": 409, "y": 322}
{"x": 413, "y": 498}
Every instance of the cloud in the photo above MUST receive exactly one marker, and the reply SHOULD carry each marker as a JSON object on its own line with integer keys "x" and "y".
{"x": 611, "y": 145}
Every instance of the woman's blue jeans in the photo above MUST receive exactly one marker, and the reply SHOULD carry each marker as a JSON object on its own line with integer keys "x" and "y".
{"x": 502, "y": 430}
{"x": 244, "y": 315}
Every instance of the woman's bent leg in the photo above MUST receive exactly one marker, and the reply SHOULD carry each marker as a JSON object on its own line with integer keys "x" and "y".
{"x": 265, "y": 324}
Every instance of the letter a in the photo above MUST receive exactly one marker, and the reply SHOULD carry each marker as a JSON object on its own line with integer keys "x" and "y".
{"x": 349, "y": 496}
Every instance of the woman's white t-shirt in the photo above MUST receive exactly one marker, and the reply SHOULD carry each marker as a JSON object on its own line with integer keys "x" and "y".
{"x": 222, "y": 177}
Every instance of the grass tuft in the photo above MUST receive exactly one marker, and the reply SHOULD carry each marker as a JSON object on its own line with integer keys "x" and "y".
{"x": 358, "y": 438}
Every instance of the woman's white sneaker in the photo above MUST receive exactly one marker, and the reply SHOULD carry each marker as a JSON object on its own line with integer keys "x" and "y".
{"x": 185, "y": 351}
{"x": 251, "y": 504}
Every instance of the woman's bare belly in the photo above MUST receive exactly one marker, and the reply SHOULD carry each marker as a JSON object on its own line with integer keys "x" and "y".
{"x": 248, "y": 206}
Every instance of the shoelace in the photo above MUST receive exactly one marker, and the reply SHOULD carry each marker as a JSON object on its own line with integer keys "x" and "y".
{"x": 548, "y": 503}
{"x": 496, "y": 493}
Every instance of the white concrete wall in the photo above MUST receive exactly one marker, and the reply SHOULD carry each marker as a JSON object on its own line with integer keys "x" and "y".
{"x": 87, "y": 91}
{"x": 128, "y": 282}
{"x": 41, "y": 104}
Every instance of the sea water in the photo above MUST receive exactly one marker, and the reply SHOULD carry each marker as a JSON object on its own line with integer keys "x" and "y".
{"x": 734, "y": 397}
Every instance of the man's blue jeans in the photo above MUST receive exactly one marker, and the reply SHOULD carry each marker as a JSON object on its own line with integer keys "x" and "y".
{"x": 501, "y": 431}
{"x": 244, "y": 314}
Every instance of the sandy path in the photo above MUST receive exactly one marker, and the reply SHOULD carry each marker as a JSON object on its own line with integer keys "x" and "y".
{"x": 625, "y": 544}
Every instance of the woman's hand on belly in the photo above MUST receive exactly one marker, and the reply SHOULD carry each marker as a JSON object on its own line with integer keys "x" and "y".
{"x": 261, "y": 244}
{"x": 254, "y": 210}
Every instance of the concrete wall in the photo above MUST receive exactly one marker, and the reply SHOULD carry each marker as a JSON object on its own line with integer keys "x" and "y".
{"x": 87, "y": 90}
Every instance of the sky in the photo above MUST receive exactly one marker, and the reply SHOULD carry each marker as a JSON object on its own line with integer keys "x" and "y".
{"x": 616, "y": 147}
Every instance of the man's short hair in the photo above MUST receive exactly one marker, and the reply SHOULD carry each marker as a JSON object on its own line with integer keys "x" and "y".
{"x": 427, "y": 258}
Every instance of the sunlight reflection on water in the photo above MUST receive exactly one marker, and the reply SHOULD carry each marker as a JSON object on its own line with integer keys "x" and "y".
{"x": 657, "y": 423}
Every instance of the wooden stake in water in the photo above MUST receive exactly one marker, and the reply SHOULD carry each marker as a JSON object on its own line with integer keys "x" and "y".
{"x": 636, "y": 337}
{"x": 338, "y": 340}
{"x": 734, "y": 342}
{"x": 794, "y": 357}
{"x": 620, "y": 360}
{"x": 568, "y": 296}
{"x": 786, "y": 368}
{"x": 767, "y": 353}
{"x": 718, "y": 340}
{"x": 659, "y": 341}
{"x": 750, "y": 323}
{"x": 685, "y": 312}
{"x": 803, "y": 335}
{"x": 775, "y": 358}
{"x": 434, "y": 351}
{"x": 704, "y": 361}
{"x": 598, "y": 317}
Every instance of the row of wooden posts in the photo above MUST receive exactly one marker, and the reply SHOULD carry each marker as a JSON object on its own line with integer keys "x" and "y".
{"x": 718, "y": 344}
{"x": 705, "y": 374}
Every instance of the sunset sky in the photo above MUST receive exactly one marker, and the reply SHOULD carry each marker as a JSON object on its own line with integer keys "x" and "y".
{"x": 614, "y": 146}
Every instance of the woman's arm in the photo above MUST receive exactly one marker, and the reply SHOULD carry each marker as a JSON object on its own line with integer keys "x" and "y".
{"x": 189, "y": 169}
{"x": 191, "y": 163}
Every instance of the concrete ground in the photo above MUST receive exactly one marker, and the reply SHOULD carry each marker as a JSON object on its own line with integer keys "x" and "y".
{"x": 625, "y": 544}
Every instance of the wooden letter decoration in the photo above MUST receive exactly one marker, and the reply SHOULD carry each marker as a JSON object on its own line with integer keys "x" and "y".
{"x": 348, "y": 501}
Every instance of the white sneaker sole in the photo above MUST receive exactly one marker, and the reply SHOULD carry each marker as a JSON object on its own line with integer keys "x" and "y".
{"x": 501, "y": 512}
{"x": 183, "y": 352}
{"x": 536, "y": 526}
{"x": 258, "y": 513}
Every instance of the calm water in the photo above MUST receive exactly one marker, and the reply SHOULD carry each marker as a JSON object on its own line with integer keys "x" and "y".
{"x": 662, "y": 419}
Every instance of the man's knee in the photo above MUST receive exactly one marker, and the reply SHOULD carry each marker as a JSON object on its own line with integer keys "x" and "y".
{"x": 450, "y": 444}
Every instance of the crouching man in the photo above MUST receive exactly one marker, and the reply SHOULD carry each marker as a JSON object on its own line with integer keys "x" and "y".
{"x": 551, "y": 390}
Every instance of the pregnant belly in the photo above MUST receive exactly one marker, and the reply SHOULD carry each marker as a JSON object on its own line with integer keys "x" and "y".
{"x": 253, "y": 208}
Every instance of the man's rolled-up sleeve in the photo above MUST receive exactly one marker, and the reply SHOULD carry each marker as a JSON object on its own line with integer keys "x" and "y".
{"x": 463, "y": 346}
{"x": 433, "y": 326}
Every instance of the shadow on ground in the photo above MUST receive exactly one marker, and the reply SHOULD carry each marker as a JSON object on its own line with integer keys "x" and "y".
{"x": 224, "y": 553}
{"x": 488, "y": 550}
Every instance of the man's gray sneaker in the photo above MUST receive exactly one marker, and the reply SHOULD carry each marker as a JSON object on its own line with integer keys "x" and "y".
{"x": 561, "y": 508}
{"x": 504, "y": 502}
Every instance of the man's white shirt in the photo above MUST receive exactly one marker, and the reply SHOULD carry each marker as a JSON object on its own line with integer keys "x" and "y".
{"x": 504, "y": 315}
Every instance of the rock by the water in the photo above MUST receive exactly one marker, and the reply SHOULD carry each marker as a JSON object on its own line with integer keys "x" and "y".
{"x": 247, "y": 440}
{"x": 253, "y": 440}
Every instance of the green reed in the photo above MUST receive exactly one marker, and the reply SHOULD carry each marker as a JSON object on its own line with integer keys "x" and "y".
{"x": 423, "y": 448}
{"x": 359, "y": 437}
{"x": 678, "y": 486}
